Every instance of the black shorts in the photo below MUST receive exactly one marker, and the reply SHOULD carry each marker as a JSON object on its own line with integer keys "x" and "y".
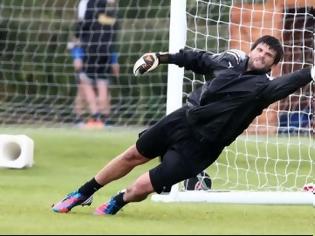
{"x": 97, "y": 62}
{"x": 183, "y": 156}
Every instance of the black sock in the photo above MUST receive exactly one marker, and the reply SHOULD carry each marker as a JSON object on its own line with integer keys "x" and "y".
{"x": 78, "y": 119}
{"x": 89, "y": 188}
{"x": 119, "y": 198}
{"x": 104, "y": 117}
{"x": 96, "y": 116}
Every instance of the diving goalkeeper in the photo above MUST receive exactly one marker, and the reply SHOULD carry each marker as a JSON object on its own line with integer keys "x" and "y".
{"x": 191, "y": 138}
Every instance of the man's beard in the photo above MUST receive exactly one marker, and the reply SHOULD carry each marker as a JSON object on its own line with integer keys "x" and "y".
{"x": 258, "y": 70}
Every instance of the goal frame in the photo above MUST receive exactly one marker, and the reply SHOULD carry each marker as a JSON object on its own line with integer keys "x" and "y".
{"x": 177, "y": 40}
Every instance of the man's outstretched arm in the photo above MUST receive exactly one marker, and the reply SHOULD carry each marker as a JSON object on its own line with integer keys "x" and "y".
{"x": 287, "y": 84}
{"x": 199, "y": 62}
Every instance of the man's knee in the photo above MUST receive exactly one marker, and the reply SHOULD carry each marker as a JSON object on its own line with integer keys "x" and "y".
{"x": 140, "y": 189}
{"x": 133, "y": 155}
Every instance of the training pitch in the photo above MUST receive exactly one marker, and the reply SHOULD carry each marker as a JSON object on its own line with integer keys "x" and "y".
{"x": 64, "y": 159}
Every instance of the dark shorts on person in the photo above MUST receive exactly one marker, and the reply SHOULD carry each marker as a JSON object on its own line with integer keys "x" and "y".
{"x": 183, "y": 156}
{"x": 97, "y": 62}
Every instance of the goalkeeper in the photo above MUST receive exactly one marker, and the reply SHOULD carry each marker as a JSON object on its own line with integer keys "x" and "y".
{"x": 191, "y": 138}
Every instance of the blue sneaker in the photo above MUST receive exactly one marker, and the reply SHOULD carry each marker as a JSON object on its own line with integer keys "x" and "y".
{"x": 109, "y": 208}
{"x": 71, "y": 200}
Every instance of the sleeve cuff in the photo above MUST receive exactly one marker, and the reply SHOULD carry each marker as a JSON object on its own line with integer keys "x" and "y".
{"x": 164, "y": 57}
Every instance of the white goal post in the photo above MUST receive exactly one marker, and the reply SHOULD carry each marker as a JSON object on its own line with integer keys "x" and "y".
{"x": 274, "y": 158}
{"x": 177, "y": 40}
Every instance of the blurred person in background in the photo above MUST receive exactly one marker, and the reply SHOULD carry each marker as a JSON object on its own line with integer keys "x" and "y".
{"x": 80, "y": 103}
{"x": 95, "y": 59}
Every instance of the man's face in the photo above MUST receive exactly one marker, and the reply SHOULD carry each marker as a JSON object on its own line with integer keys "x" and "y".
{"x": 261, "y": 58}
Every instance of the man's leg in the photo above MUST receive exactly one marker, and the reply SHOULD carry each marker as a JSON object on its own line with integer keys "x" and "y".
{"x": 88, "y": 93}
{"x": 115, "y": 169}
{"x": 79, "y": 104}
{"x": 120, "y": 166}
{"x": 103, "y": 98}
{"x": 170, "y": 171}
{"x": 91, "y": 99}
{"x": 137, "y": 192}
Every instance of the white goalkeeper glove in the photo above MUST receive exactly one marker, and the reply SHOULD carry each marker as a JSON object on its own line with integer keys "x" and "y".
{"x": 147, "y": 62}
{"x": 313, "y": 72}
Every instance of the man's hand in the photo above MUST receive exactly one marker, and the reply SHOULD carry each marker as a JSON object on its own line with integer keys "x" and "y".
{"x": 147, "y": 62}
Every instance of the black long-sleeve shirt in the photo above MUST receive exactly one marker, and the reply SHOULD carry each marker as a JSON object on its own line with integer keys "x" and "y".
{"x": 225, "y": 106}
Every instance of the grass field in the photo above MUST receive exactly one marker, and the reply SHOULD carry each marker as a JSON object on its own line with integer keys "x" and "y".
{"x": 64, "y": 159}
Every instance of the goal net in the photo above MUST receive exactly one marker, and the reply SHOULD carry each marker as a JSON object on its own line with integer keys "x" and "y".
{"x": 37, "y": 81}
{"x": 274, "y": 158}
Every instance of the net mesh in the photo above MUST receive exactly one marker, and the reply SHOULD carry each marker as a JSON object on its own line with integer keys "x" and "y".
{"x": 37, "y": 80}
{"x": 275, "y": 152}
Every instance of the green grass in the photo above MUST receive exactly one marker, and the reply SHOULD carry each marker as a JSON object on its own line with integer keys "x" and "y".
{"x": 64, "y": 159}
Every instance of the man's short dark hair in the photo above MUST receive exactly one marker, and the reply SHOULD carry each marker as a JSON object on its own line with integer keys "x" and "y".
{"x": 273, "y": 43}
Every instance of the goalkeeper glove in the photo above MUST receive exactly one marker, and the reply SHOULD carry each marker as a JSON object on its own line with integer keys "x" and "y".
{"x": 147, "y": 62}
{"x": 313, "y": 72}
